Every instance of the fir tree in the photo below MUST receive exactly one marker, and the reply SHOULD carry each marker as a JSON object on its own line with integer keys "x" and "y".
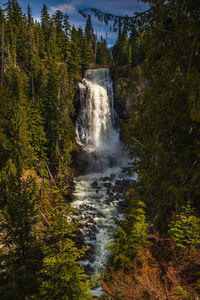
{"x": 66, "y": 26}
{"x": 20, "y": 255}
{"x": 45, "y": 23}
{"x": 89, "y": 31}
{"x": 74, "y": 59}
{"x": 132, "y": 235}
{"x": 63, "y": 278}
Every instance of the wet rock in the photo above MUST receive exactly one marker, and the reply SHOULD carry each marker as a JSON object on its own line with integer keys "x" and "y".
{"x": 84, "y": 206}
{"x": 94, "y": 229}
{"x": 112, "y": 176}
{"x": 89, "y": 269}
{"x": 108, "y": 185}
{"x": 104, "y": 179}
{"x": 89, "y": 254}
{"x": 90, "y": 236}
{"x": 75, "y": 220}
{"x": 94, "y": 184}
{"x": 79, "y": 239}
{"x": 111, "y": 195}
{"x": 104, "y": 192}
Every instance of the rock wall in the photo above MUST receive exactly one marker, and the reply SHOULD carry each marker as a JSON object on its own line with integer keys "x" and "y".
{"x": 126, "y": 92}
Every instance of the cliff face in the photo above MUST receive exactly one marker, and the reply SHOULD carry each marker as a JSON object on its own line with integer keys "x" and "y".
{"x": 126, "y": 92}
{"x": 123, "y": 98}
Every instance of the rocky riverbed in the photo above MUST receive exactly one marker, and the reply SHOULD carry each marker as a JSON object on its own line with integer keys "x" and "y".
{"x": 99, "y": 206}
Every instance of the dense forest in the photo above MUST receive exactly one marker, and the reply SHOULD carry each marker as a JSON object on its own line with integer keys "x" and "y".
{"x": 155, "y": 64}
{"x": 41, "y": 63}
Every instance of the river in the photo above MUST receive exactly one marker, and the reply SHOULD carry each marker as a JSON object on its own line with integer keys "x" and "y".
{"x": 101, "y": 186}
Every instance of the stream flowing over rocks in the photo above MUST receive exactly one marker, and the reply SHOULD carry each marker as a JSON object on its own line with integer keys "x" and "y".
{"x": 101, "y": 185}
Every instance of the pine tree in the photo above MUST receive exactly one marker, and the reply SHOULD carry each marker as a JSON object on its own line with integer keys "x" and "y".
{"x": 20, "y": 255}
{"x": 120, "y": 50}
{"x": 87, "y": 54}
{"x": 89, "y": 31}
{"x": 186, "y": 228}
{"x": 103, "y": 56}
{"x": 15, "y": 137}
{"x": 63, "y": 278}
{"x": 58, "y": 21}
{"x": 29, "y": 16}
{"x": 66, "y": 26}
{"x": 163, "y": 121}
{"x": 2, "y": 43}
{"x": 40, "y": 63}
{"x": 74, "y": 59}
{"x": 132, "y": 235}
{"x": 45, "y": 23}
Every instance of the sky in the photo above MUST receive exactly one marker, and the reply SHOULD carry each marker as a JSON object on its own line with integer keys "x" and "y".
{"x": 71, "y": 7}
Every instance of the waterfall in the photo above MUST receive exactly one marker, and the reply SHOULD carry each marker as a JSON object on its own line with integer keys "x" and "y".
{"x": 100, "y": 188}
{"x": 96, "y": 124}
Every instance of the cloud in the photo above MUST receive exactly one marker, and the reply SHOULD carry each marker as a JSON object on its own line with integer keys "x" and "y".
{"x": 65, "y": 7}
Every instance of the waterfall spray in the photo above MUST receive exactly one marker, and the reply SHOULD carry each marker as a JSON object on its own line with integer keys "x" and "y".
{"x": 96, "y": 129}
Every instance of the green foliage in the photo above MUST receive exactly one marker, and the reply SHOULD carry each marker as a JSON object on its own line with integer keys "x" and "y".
{"x": 102, "y": 53}
{"x": 62, "y": 276}
{"x": 128, "y": 50}
{"x": 15, "y": 137}
{"x": 45, "y": 22}
{"x": 40, "y": 63}
{"x": 163, "y": 129}
{"x": 74, "y": 59}
{"x": 186, "y": 228}
{"x": 20, "y": 254}
{"x": 182, "y": 294}
{"x": 89, "y": 31}
{"x": 132, "y": 236}
{"x": 66, "y": 26}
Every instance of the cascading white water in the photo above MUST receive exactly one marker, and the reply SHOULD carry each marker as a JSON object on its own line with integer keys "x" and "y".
{"x": 98, "y": 192}
{"x": 95, "y": 130}
{"x": 95, "y": 126}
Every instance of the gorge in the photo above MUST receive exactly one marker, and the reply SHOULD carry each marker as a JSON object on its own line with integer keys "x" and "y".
{"x": 77, "y": 207}
{"x": 100, "y": 187}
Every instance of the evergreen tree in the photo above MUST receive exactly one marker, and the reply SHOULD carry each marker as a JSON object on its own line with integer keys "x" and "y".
{"x": 29, "y": 16}
{"x": 89, "y": 31}
{"x": 45, "y": 23}
{"x": 87, "y": 54}
{"x": 132, "y": 235}
{"x": 15, "y": 137}
{"x": 63, "y": 278}
{"x": 121, "y": 49}
{"x": 186, "y": 228}
{"x": 2, "y": 43}
{"x": 74, "y": 59}
{"x": 20, "y": 255}
{"x": 40, "y": 64}
{"x": 58, "y": 21}
{"x": 16, "y": 31}
{"x": 66, "y": 26}
{"x": 103, "y": 56}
